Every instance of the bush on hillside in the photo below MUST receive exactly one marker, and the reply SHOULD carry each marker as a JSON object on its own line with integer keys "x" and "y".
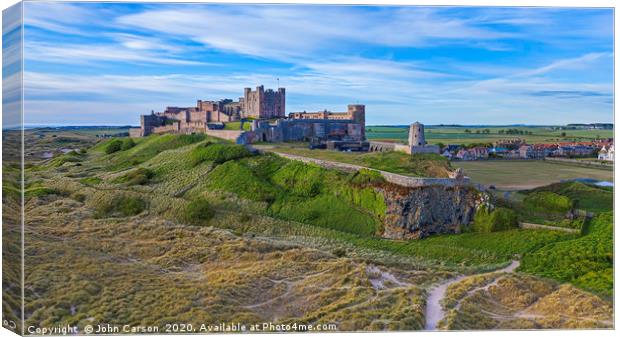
{"x": 547, "y": 202}
{"x": 70, "y": 157}
{"x": 113, "y": 206}
{"x": 113, "y": 146}
{"x": 367, "y": 177}
{"x": 499, "y": 219}
{"x": 218, "y": 153}
{"x": 128, "y": 143}
{"x": 197, "y": 212}
{"x": 139, "y": 176}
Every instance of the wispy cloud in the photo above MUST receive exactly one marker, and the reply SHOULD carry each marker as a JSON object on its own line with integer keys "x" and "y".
{"x": 129, "y": 51}
{"x": 294, "y": 31}
{"x": 435, "y": 64}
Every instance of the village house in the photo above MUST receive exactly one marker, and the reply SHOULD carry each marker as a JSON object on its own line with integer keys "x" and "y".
{"x": 476, "y": 153}
{"x": 537, "y": 151}
{"x": 606, "y": 153}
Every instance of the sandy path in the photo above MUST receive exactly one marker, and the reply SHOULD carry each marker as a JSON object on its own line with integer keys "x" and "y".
{"x": 434, "y": 311}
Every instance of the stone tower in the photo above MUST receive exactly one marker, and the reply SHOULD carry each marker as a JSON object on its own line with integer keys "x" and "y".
{"x": 416, "y": 134}
{"x": 264, "y": 104}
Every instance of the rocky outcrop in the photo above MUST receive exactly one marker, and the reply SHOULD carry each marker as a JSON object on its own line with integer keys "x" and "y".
{"x": 415, "y": 213}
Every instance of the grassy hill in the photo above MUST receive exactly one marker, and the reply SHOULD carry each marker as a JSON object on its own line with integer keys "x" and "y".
{"x": 192, "y": 228}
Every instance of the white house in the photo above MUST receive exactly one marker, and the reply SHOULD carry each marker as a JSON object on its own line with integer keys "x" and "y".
{"x": 606, "y": 153}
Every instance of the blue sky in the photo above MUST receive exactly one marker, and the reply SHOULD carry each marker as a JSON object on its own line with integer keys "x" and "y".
{"x": 107, "y": 63}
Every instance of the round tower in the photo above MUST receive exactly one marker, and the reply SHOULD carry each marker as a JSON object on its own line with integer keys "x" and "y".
{"x": 416, "y": 134}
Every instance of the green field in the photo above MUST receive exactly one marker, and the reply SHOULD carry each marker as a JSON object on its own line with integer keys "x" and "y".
{"x": 521, "y": 174}
{"x": 457, "y": 135}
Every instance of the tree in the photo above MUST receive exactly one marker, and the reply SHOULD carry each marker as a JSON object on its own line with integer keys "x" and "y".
{"x": 467, "y": 131}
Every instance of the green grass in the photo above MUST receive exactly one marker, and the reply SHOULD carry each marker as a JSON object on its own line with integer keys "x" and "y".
{"x": 90, "y": 181}
{"x": 197, "y": 212}
{"x": 300, "y": 192}
{"x": 585, "y": 196}
{"x": 122, "y": 205}
{"x": 146, "y": 149}
{"x": 218, "y": 153}
{"x": 499, "y": 219}
{"x": 70, "y": 157}
{"x": 586, "y": 262}
{"x": 522, "y": 174}
{"x": 114, "y": 145}
{"x": 419, "y": 165}
{"x": 468, "y": 249}
{"x": 139, "y": 176}
{"x": 549, "y": 202}
{"x": 247, "y": 126}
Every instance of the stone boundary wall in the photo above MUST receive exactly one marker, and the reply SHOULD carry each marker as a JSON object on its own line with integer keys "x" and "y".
{"x": 225, "y": 134}
{"x": 553, "y": 228}
{"x": 582, "y": 162}
{"x": 393, "y": 178}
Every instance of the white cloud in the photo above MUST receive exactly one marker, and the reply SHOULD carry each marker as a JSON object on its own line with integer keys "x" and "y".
{"x": 93, "y": 53}
{"x": 285, "y": 32}
{"x": 570, "y": 63}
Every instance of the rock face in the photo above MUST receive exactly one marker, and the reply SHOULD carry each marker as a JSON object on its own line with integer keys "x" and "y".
{"x": 415, "y": 213}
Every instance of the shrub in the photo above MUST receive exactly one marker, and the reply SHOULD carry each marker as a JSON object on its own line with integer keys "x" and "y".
{"x": 39, "y": 191}
{"x": 107, "y": 205}
{"x": 197, "y": 212}
{"x": 113, "y": 146}
{"x": 90, "y": 181}
{"x": 218, "y": 153}
{"x": 367, "y": 177}
{"x": 70, "y": 157}
{"x": 139, "y": 176}
{"x": 497, "y": 220}
{"x": 547, "y": 202}
{"x": 127, "y": 144}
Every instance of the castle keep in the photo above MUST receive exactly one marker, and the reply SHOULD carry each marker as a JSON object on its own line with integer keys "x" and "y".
{"x": 264, "y": 104}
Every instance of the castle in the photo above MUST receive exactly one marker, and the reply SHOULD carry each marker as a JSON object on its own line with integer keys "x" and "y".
{"x": 257, "y": 104}
{"x": 266, "y": 111}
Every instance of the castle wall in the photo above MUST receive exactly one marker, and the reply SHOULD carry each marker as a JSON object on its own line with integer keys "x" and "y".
{"x": 173, "y": 128}
{"x": 135, "y": 132}
{"x": 233, "y": 135}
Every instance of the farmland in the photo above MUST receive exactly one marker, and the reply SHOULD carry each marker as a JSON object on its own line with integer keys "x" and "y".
{"x": 458, "y": 135}
{"x": 522, "y": 174}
